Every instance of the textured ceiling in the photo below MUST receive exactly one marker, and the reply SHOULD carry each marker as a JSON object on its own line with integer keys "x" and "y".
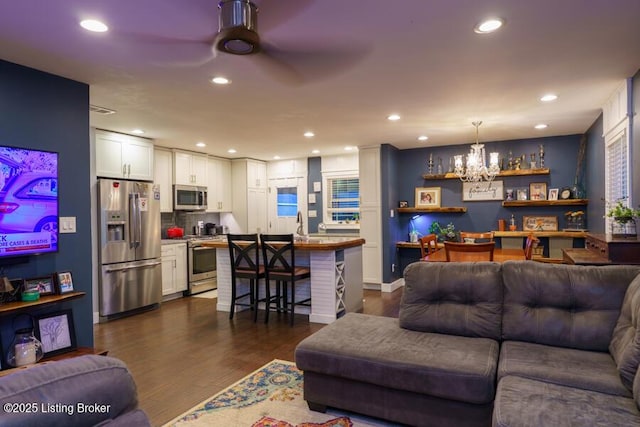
{"x": 355, "y": 63}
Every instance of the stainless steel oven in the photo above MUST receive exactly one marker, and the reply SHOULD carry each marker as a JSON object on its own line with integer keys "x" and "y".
{"x": 202, "y": 267}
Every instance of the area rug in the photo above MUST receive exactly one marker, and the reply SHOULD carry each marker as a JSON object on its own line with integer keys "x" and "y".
{"x": 269, "y": 397}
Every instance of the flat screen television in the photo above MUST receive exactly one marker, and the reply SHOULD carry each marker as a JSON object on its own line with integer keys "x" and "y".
{"x": 28, "y": 202}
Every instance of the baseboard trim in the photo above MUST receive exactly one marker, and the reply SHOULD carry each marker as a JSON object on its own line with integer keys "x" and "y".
{"x": 390, "y": 287}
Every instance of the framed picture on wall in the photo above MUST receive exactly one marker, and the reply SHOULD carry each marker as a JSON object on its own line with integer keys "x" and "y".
{"x": 479, "y": 191}
{"x": 428, "y": 197}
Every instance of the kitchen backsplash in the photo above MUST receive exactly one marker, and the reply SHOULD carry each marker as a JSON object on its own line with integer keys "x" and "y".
{"x": 186, "y": 220}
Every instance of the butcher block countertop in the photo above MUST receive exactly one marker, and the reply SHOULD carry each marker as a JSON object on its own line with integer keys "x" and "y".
{"x": 311, "y": 244}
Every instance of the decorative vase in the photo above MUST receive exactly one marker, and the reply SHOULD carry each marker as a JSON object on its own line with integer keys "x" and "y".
{"x": 623, "y": 228}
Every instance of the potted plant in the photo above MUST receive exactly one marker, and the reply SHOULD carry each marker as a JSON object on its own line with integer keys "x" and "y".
{"x": 623, "y": 224}
{"x": 447, "y": 233}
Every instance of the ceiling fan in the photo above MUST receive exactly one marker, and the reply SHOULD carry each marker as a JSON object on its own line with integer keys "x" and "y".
{"x": 297, "y": 63}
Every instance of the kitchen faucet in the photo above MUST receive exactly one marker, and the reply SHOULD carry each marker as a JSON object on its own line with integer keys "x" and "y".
{"x": 300, "y": 230}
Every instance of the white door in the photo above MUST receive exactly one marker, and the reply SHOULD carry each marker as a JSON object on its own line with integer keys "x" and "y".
{"x": 286, "y": 198}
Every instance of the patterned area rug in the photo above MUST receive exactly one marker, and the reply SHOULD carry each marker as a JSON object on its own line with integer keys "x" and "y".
{"x": 269, "y": 397}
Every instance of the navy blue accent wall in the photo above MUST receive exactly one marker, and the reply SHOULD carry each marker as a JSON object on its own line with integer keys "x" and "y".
{"x": 389, "y": 201}
{"x": 560, "y": 158}
{"x": 594, "y": 176}
{"x": 314, "y": 173}
{"x": 47, "y": 112}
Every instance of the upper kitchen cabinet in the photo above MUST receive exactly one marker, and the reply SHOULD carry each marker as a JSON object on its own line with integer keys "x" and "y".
{"x": 189, "y": 168}
{"x": 256, "y": 174}
{"x": 250, "y": 195}
{"x": 163, "y": 165}
{"x": 123, "y": 156}
{"x": 219, "y": 186}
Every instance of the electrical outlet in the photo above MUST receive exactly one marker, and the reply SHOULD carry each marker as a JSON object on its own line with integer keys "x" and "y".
{"x": 392, "y": 213}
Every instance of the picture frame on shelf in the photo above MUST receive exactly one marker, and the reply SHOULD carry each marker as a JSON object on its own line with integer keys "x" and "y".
{"x": 65, "y": 282}
{"x": 403, "y": 204}
{"x": 56, "y": 332}
{"x": 538, "y": 191}
{"x": 565, "y": 193}
{"x": 540, "y": 223}
{"x": 553, "y": 193}
{"x": 45, "y": 285}
{"x": 428, "y": 197}
{"x": 521, "y": 194}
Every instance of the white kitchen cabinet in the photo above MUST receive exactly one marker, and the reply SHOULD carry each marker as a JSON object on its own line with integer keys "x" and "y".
{"x": 189, "y": 169}
{"x": 163, "y": 165}
{"x": 219, "y": 185}
{"x": 123, "y": 156}
{"x": 174, "y": 268}
{"x": 249, "y": 179}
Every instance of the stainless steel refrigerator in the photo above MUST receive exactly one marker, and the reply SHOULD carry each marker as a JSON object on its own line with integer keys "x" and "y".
{"x": 129, "y": 223}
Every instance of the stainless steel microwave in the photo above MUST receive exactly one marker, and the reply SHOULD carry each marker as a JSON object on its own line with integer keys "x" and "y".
{"x": 189, "y": 198}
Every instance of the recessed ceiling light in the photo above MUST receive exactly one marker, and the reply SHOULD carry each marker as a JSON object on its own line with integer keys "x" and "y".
{"x": 200, "y": 144}
{"x": 309, "y": 134}
{"x": 423, "y": 138}
{"x": 276, "y": 157}
{"x": 315, "y": 151}
{"x": 137, "y": 131}
{"x": 393, "y": 117}
{"x": 231, "y": 151}
{"x": 219, "y": 80}
{"x": 348, "y": 148}
{"x": 549, "y": 97}
{"x": 541, "y": 126}
{"x": 94, "y": 25}
{"x": 489, "y": 25}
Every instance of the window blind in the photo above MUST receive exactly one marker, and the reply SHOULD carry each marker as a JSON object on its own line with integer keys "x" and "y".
{"x": 344, "y": 199}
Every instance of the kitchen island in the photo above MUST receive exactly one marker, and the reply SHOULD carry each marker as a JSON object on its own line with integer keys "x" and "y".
{"x": 335, "y": 285}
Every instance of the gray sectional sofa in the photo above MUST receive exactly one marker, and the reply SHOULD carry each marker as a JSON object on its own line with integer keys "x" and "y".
{"x": 81, "y": 391}
{"x": 514, "y": 344}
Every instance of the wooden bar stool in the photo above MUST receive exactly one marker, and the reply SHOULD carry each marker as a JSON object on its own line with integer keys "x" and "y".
{"x": 245, "y": 264}
{"x": 278, "y": 253}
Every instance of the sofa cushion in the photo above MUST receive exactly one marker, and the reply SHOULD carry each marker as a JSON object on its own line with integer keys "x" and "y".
{"x": 453, "y": 298}
{"x": 589, "y": 370}
{"x": 625, "y": 344}
{"x": 60, "y": 387}
{"x": 525, "y": 402}
{"x": 563, "y": 305}
{"x": 375, "y": 350}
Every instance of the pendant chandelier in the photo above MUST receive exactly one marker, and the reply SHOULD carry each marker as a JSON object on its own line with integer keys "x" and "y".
{"x": 475, "y": 169}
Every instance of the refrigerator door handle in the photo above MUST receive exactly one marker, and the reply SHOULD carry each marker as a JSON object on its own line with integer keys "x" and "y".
{"x": 138, "y": 221}
{"x": 130, "y": 267}
{"x": 133, "y": 221}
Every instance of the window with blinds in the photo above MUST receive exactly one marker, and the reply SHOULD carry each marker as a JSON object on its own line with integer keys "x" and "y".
{"x": 617, "y": 169}
{"x": 344, "y": 199}
{"x": 287, "y": 201}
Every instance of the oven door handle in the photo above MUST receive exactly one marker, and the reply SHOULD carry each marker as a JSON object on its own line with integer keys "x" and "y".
{"x": 201, "y": 248}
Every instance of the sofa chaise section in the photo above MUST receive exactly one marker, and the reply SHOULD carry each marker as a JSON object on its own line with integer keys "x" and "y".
{"x": 412, "y": 370}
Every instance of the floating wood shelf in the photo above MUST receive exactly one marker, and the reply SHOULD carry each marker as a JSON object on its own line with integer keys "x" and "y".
{"x": 14, "y": 307}
{"x": 433, "y": 210}
{"x": 574, "y": 234}
{"x": 521, "y": 172}
{"x": 528, "y": 203}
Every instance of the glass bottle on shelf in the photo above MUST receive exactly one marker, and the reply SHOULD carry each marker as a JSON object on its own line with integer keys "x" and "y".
{"x": 440, "y": 169}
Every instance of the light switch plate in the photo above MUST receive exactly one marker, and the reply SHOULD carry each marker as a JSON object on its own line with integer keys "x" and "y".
{"x": 67, "y": 224}
{"x": 313, "y": 214}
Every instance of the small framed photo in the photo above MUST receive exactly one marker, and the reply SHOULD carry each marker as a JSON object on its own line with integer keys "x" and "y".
{"x": 44, "y": 285}
{"x": 56, "y": 332}
{"x": 540, "y": 223}
{"x": 427, "y": 197}
{"x": 522, "y": 194}
{"x": 403, "y": 204}
{"x": 553, "y": 193}
{"x": 65, "y": 282}
{"x": 538, "y": 191}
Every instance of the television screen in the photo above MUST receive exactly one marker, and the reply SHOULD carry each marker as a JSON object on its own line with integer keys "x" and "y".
{"x": 28, "y": 201}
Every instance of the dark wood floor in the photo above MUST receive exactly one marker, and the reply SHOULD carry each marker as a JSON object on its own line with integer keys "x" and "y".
{"x": 184, "y": 352}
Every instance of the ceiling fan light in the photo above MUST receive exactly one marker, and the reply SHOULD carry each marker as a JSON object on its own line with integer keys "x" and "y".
{"x": 237, "y": 26}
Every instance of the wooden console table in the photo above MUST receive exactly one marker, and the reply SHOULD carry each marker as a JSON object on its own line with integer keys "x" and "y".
{"x": 603, "y": 250}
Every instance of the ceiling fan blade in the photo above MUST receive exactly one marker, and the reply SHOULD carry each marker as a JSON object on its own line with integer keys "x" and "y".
{"x": 273, "y": 13}
{"x": 308, "y": 62}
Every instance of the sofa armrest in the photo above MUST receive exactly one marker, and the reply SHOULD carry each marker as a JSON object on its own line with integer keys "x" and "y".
{"x": 80, "y": 391}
